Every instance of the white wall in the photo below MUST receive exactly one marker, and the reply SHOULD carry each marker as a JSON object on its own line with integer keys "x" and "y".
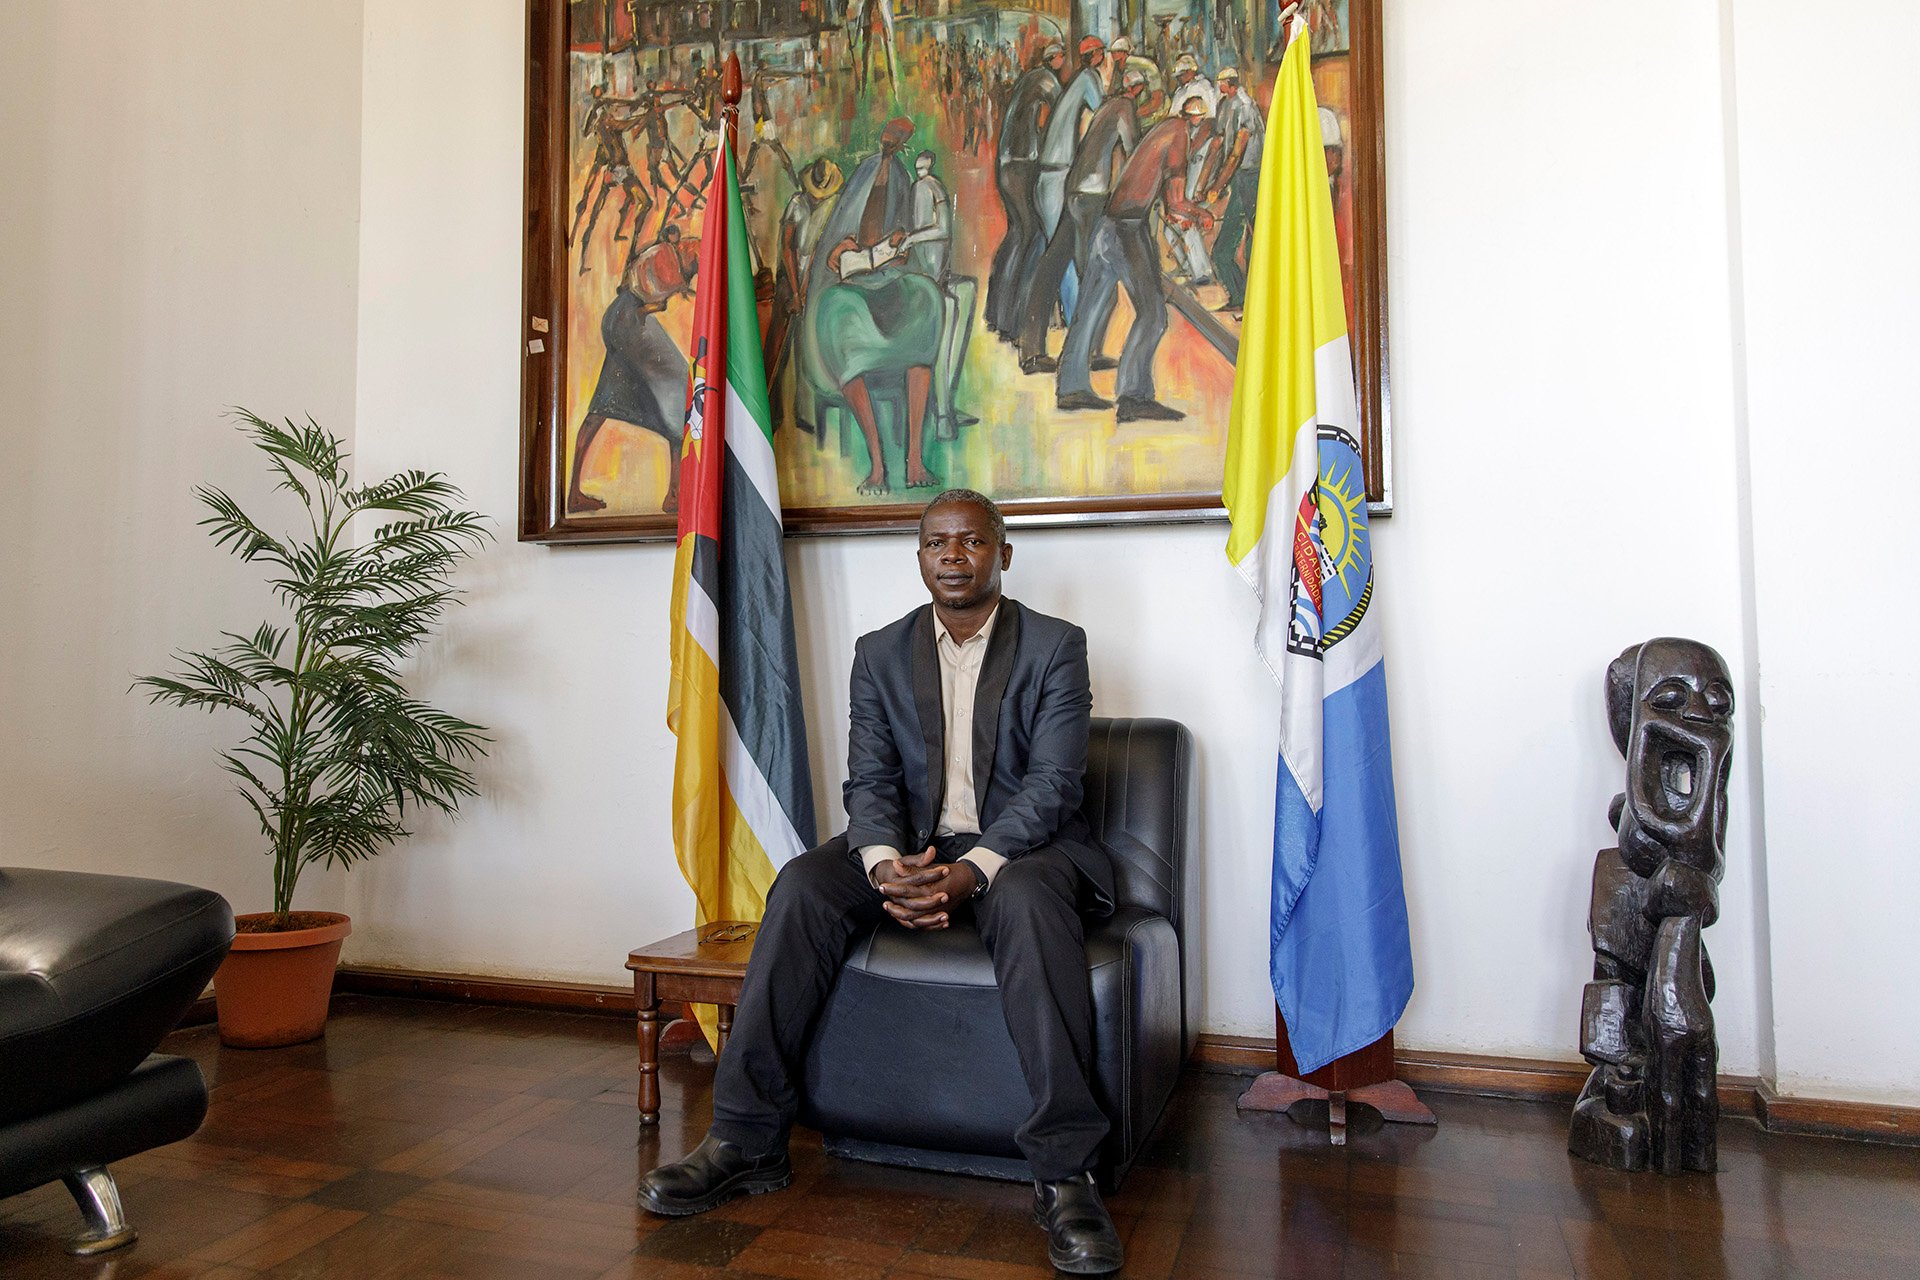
{"x": 1829, "y": 177}
{"x": 1507, "y": 578}
{"x": 1617, "y": 315}
{"x": 180, "y": 211}
{"x": 1564, "y": 458}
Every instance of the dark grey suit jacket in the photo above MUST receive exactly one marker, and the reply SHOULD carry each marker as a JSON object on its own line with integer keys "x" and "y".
{"x": 1031, "y": 720}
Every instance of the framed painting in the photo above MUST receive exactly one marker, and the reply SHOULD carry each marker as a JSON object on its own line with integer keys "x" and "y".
{"x": 1000, "y": 246}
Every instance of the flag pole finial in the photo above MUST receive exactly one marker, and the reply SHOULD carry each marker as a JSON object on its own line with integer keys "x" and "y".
{"x": 730, "y": 81}
{"x": 730, "y": 101}
{"x": 1292, "y": 21}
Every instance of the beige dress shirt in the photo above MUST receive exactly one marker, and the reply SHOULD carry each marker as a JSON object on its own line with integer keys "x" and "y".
{"x": 960, "y": 664}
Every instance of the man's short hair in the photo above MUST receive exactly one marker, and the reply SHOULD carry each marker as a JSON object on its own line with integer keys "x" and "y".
{"x": 951, "y": 497}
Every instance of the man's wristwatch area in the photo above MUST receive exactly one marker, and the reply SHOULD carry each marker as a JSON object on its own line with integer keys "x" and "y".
{"x": 980, "y": 881}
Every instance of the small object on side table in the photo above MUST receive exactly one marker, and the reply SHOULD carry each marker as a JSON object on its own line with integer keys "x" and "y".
{"x": 1646, "y": 1023}
{"x": 703, "y": 966}
{"x": 1364, "y": 1076}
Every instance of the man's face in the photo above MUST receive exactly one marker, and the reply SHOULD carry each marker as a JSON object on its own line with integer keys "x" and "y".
{"x": 1229, "y": 87}
{"x": 960, "y": 559}
{"x": 1055, "y": 61}
{"x": 923, "y": 166}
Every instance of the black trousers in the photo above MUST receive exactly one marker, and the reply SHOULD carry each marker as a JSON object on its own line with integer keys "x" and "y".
{"x": 1071, "y": 245}
{"x": 1030, "y": 922}
{"x": 1006, "y": 290}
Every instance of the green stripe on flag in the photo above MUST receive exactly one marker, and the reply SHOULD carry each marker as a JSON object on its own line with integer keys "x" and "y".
{"x": 746, "y": 363}
{"x": 758, "y": 660}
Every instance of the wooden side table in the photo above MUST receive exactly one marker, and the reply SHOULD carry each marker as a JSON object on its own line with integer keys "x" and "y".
{"x": 705, "y": 966}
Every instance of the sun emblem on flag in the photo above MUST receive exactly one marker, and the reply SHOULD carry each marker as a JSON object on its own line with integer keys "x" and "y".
{"x": 1332, "y": 558}
{"x": 1345, "y": 543}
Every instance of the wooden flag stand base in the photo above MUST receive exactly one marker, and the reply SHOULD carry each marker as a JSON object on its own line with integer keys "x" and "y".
{"x": 1363, "y": 1076}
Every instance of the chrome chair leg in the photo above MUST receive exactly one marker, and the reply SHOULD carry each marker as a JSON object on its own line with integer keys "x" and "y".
{"x": 99, "y": 1202}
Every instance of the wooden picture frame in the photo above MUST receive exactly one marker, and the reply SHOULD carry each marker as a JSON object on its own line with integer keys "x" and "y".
{"x": 641, "y": 32}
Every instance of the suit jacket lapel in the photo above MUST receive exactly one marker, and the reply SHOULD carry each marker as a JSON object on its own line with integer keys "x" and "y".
{"x": 994, "y": 672}
{"x": 926, "y": 701}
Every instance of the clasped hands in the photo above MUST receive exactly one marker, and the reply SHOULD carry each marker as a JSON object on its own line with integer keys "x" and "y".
{"x": 919, "y": 892}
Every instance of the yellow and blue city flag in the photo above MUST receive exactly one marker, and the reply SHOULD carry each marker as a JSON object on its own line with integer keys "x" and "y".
{"x": 1342, "y": 961}
{"x": 742, "y": 793}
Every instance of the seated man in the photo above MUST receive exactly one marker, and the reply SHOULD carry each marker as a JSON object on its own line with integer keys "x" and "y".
{"x": 968, "y": 743}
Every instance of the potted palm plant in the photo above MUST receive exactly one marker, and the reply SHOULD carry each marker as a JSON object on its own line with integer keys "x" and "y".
{"x": 337, "y": 754}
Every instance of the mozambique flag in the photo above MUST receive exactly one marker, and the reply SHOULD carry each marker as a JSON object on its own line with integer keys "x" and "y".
{"x": 1342, "y": 964}
{"x": 742, "y": 796}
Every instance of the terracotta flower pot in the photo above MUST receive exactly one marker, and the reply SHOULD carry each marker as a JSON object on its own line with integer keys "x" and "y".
{"x": 273, "y": 988}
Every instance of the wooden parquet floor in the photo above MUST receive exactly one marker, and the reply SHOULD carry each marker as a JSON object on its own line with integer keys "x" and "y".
{"x": 427, "y": 1140}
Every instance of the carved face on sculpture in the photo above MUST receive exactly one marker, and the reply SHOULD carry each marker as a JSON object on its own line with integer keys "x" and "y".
{"x": 1670, "y": 704}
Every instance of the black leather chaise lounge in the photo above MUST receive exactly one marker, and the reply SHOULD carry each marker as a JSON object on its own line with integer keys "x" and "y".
{"x": 94, "y": 970}
{"x": 942, "y": 983}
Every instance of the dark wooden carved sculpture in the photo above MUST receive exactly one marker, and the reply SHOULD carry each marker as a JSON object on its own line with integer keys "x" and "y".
{"x": 1645, "y": 1022}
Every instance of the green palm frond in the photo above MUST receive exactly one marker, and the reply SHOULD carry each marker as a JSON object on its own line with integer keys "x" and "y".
{"x": 337, "y": 750}
{"x": 416, "y": 493}
{"x": 310, "y": 448}
{"x": 234, "y": 530}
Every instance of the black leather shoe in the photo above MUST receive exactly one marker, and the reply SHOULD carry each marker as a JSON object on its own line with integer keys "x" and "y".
{"x": 1038, "y": 364}
{"x": 1099, "y": 363}
{"x": 712, "y": 1174}
{"x": 1081, "y": 1240}
{"x": 1080, "y": 400}
{"x": 1133, "y": 410}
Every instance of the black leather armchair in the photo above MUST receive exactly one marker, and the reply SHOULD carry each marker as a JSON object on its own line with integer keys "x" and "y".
{"x": 94, "y": 970}
{"x": 942, "y": 983}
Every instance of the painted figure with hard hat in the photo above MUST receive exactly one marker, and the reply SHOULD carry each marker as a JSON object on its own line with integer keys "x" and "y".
{"x": 1189, "y": 251}
{"x": 1155, "y": 176}
{"x": 1015, "y": 171}
{"x": 1057, "y": 146}
{"x": 1113, "y": 132}
{"x": 1242, "y": 135}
